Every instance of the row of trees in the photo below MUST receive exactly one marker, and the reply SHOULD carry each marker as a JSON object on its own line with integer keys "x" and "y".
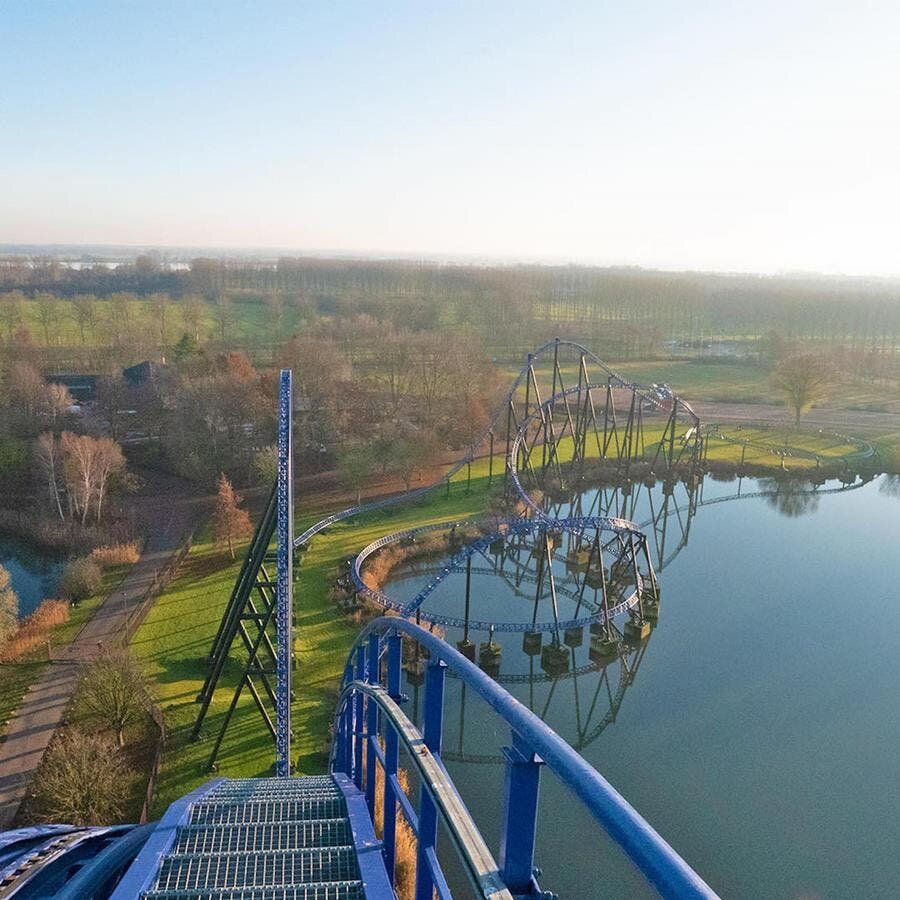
{"x": 506, "y": 306}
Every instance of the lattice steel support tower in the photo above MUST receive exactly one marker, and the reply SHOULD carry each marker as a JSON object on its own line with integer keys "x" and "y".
{"x": 285, "y": 578}
{"x": 258, "y": 618}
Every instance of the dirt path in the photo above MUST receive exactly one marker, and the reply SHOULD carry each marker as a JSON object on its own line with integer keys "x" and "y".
{"x": 166, "y": 515}
{"x": 845, "y": 421}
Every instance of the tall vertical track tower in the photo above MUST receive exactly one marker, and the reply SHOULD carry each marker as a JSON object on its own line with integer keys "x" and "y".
{"x": 284, "y": 590}
{"x": 259, "y": 615}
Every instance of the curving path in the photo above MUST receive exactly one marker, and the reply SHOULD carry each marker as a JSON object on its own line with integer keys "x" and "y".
{"x": 167, "y": 519}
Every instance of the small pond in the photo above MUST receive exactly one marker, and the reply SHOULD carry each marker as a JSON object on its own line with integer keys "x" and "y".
{"x": 34, "y": 573}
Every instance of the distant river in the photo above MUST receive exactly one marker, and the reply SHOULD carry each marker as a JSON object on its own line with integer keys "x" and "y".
{"x": 34, "y": 574}
{"x": 758, "y": 729}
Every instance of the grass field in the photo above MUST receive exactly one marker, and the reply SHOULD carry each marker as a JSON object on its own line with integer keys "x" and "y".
{"x": 248, "y": 320}
{"x": 714, "y": 380}
{"x": 178, "y": 632}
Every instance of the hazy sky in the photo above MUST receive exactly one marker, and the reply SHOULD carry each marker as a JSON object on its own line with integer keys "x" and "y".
{"x": 752, "y": 136}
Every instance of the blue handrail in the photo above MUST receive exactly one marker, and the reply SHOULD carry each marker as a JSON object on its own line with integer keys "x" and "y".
{"x": 533, "y": 742}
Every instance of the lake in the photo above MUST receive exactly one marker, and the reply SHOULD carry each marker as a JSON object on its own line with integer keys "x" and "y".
{"x": 34, "y": 573}
{"x": 758, "y": 727}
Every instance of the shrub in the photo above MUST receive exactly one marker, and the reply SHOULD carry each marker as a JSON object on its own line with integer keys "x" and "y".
{"x": 81, "y": 579}
{"x": 82, "y": 780}
{"x": 9, "y": 606}
{"x": 116, "y": 555}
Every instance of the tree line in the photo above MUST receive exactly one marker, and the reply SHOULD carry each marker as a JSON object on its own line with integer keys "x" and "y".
{"x": 625, "y": 313}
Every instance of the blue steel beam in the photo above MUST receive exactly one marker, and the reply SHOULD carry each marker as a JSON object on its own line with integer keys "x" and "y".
{"x": 285, "y": 578}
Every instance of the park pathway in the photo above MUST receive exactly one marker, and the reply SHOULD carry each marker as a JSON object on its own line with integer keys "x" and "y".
{"x": 166, "y": 516}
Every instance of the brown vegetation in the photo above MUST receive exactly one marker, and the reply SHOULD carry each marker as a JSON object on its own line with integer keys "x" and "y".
{"x": 9, "y": 606}
{"x": 116, "y": 555}
{"x": 406, "y": 844}
{"x": 230, "y": 522}
{"x": 34, "y": 631}
{"x": 82, "y": 780}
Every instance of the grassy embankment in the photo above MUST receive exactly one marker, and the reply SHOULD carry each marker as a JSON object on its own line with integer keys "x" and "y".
{"x": 176, "y": 637}
{"x": 18, "y": 676}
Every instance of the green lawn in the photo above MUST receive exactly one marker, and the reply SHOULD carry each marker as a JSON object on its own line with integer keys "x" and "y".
{"x": 178, "y": 632}
{"x": 714, "y": 380}
{"x": 250, "y": 320}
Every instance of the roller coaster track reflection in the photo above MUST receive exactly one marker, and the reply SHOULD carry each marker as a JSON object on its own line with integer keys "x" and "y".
{"x": 614, "y": 501}
{"x": 587, "y": 727}
{"x": 609, "y": 691}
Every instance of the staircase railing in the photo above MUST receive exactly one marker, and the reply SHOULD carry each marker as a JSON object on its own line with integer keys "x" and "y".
{"x": 370, "y": 728}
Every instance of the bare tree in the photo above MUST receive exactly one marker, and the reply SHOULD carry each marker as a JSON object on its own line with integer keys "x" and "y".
{"x": 114, "y": 692}
{"x": 159, "y": 306}
{"x": 84, "y": 312}
{"x": 193, "y": 312}
{"x": 47, "y": 457}
{"x": 224, "y": 315}
{"x": 355, "y": 466}
{"x": 88, "y": 464}
{"x": 47, "y": 311}
{"x": 9, "y": 606}
{"x": 230, "y": 521}
{"x": 11, "y": 312}
{"x": 27, "y": 395}
{"x": 803, "y": 381}
{"x": 58, "y": 402}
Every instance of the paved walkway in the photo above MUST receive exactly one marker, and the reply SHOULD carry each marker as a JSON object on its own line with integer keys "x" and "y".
{"x": 166, "y": 519}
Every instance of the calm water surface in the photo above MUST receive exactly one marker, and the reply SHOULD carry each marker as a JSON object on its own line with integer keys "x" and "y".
{"x": 758, "y": 729}
{"x": 34, "y": 574}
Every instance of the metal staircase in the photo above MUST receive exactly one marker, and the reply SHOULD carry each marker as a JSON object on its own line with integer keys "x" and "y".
{"x": 263, "y": 839}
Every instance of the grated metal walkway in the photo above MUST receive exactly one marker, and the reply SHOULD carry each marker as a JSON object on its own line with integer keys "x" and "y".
{"x": 263, "y": 839}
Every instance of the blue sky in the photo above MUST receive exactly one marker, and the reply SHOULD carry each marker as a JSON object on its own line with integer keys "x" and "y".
{"x": 706, "y": 135}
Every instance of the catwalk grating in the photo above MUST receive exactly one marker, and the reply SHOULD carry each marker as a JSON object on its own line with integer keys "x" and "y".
{"x": 264, "y": 868}
{"x": 256, "y": 837}
{"x": 262, "y": 839}
{"x": 351, "y": 890}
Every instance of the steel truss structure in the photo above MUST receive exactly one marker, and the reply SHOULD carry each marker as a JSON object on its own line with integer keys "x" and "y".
{"x": 259, "y": 614}
{"x": 609, "y": 558}
{"x": 602, "y": 417}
